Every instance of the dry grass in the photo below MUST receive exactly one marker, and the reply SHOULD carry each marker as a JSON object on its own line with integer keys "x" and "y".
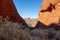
{"x": 10, "y": 30}
{"x": 14, "y": 31}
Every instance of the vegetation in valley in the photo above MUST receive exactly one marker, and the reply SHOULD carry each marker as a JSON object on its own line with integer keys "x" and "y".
{"x": 30, "y": 21}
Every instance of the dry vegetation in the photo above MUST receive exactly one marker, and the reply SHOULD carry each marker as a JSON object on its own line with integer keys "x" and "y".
{"x": 14, "y": 31}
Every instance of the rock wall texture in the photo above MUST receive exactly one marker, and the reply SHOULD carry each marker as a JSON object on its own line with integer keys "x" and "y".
{"x": 49, "y": 12}
{"x": 7, "y": 8}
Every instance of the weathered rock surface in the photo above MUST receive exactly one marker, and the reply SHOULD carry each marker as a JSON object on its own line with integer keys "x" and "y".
{"x": 49, "y": 12}
{"x": 7, "y": 8}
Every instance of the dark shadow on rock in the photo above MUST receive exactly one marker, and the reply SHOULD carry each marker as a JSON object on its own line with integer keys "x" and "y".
{"x": 40, "y": 25}
{"x": 55, "y": 26}
{"x": 49, "y": 9}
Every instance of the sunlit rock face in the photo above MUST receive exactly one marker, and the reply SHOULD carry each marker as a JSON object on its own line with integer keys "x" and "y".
{"x": 49, "y": 12}
{"x": 7, "y": 8}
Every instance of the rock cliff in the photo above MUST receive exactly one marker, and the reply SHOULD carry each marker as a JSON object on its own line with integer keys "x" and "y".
{"x": 49, "y": 12}
{"x": 8, "y": 9}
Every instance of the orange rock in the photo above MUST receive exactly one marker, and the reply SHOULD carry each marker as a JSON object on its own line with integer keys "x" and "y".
{"x": 7, "y": 8}
{"x": 49, "y": 12}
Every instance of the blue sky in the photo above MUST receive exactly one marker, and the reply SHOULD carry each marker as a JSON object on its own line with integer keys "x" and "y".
{"x": 28, "y": 8}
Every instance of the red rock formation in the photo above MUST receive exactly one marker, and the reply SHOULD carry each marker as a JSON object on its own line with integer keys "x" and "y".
{"x": 7, "y": 8}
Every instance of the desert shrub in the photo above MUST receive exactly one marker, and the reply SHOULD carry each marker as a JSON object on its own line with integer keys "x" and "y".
{"x": 13, "y": 31}
{"x": 25, "y": 34}
{"x": 46, "y": 34}
{"x": 41, "y": 34}
{"x": 9, "y": 30}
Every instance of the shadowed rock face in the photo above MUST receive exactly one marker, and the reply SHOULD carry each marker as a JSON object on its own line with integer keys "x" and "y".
{"x": 49, "y": 13}
{"x": 7, "y": 8}
{"x": 40, "y": 25}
